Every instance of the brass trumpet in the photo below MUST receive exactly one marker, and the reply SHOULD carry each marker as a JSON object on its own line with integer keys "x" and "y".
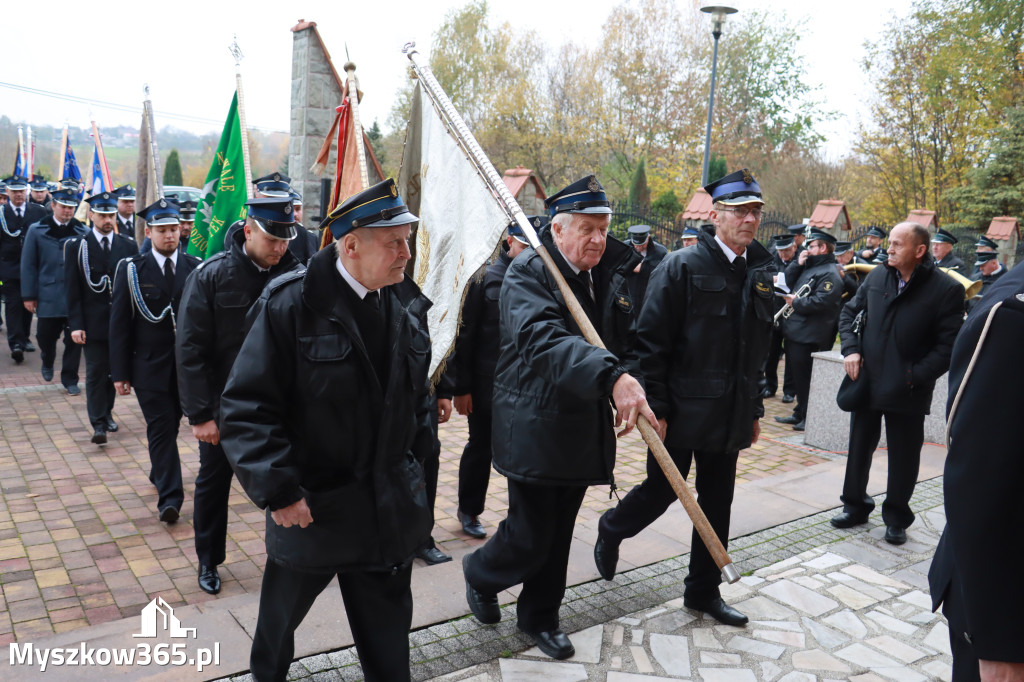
{"x": 971, "y": 287}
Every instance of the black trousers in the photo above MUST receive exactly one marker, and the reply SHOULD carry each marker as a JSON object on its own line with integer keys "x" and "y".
{"x": 99, "y": 389}
{"x": 163, "y": 415}
{"x": 771, "y": 366}
{"x": 798, "y": 357}
{"x": 379, "y": 610}
{"x": 531, "y": 546}
{"x": 210, "y": 518}
{"x": 716, "y": 479}
{"x": 48, "y": 330}
{"x": 16, "y": 317}
{"x": 905, "y": 435}
{"x": 431, "y": 467}
{"x": 475, "y": 464}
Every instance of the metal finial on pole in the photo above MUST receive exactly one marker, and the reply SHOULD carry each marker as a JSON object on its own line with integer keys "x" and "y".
{"x": 236, "y": 52}
{"x": 357, "y": 126}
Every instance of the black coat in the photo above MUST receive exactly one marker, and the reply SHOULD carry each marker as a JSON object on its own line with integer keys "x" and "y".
{"x": 552, "y": 421}
{"x": 702, "y": 340}
{"x": 304, "y": 415}
{"x": 907, "y": 338}
{"x": 986, "y": 282}
{"x": 983, "y": 480}
{"x": 655, "y": 254}
{"x": 88, "y": 309}
{"x": 813, "y": 320}
{"x": 471, "y": 366}
{"x": 212, "y": 324}
{"x": 142, "y": 352}
{"x": 951, "y": 261}
{"x": 123, "y": 228}
{"x": 12, "y": 238}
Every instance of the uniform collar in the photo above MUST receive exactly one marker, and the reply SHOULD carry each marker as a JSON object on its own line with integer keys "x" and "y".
{"x": 729, "y": 253}
{"x": 360, "y": 290}
{"x": 160, "y": 258}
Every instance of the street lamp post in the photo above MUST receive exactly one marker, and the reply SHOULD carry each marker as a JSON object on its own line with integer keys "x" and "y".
{"x": 718, "y": 14}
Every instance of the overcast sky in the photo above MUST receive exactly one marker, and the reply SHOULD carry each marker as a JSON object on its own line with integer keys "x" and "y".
{"x": 180, "y": 50}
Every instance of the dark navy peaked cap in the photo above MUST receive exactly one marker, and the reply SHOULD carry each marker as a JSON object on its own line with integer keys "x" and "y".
{"x": 586, "y": 195}
{"x": 376, "y": 206}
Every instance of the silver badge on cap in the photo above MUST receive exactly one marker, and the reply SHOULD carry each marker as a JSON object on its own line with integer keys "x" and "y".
{"x": 277, "y": 177}
{"x": 287, "y": 210}
{"x": 594, "y": 185}
{"x": 163, "y": 204}
{"x": 106, "y": 195}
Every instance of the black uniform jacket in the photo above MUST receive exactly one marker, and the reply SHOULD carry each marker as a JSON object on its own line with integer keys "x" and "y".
{"x": 986, "y": 282}
{"x": 552, "y": 420}
{"x": 88, "y": 309}
{"x": 123, "y": 228}
{"x": 702, "y": 340}
{"x": 983, "y": 480}
{"x": 951, "y": 261}
{"x": 813, "y": 320}
{"x": 212, "y": 326}
{"x": 12, "y": 238}
{"x": 655, "y": 254}
{"x": 907, "y": 339}
{"x": 142, "y": 352}
{"x": 304, "y": 415}
{"x": 471, "y": 365}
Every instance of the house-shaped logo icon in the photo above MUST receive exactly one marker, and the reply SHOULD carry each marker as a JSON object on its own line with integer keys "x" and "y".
{"x": 158, "y": 615}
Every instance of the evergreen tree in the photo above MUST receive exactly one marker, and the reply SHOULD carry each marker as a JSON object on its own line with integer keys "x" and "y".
{"x": 172, "y": 171}
{"x": 997, "y": 188}
{"x": 639, "y": 193}
{"x": 668, "y": 204}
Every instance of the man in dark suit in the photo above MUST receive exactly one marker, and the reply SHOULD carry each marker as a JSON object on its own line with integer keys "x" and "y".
{"x": 42, "y": 285}
{"x": 708, "y": 316}
{"x": 652, "y": 253}
{"x": 39, "y": 193}
{"x": 147, "y": 291}
{"x": 973, "y": 574}
{"x": 989, "y": 271}
{"x": 872, "y": 250}
{"x": 560, "y": 439}
{"x": 17, "y": 214}
{"x": 911, "y": 314}
{"x": 942, "y": 252}
{"x": 211, "y": 329}
{"x": 325, "y": 420}
{"x": 783, "y": 252}
{"x": 89, "y": 264}
{"x": 125, "y": 210}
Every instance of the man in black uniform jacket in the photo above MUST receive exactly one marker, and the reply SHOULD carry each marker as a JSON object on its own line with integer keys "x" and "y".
{"x": 471, "y": 375}
{"x": 211, "y": 328}
{"x": 40, "y": 193}
{"x": 783, "y": 252}
{"x": 142, "y": 331}
{"x": 17, "y": 214}
{"x": 702, "y": 340}
{"x": 872, "y": 246}
{"x": 125, "y": 210}
{"x": 89, "y": 265}
{"x": 325, "y": 419}
{"x": 983, "y": 479}
{"x": 942, "y": 251}
{"x": 989, "y": 271}
{"x": 652, "y": 253}
{"x": 552, "y": 432}
{"x": 811, "y": 326}
{"x": 912, "y": 312}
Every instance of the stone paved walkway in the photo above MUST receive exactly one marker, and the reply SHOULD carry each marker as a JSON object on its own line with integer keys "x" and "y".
{"x": 80, "y": 544}
{"x": 825, "y": 605}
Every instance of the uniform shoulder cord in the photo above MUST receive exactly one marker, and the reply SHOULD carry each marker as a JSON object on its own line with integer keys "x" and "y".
{"x": 970, "y": 368}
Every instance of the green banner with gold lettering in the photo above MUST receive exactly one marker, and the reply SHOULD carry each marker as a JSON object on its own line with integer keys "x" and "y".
{"x": 224, "y": 195}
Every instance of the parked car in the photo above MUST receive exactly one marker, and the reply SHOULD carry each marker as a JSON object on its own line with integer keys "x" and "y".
{"x": 177, "y": 193}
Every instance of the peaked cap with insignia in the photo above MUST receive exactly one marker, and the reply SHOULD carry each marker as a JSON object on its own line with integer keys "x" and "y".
{"x": 586, "y": 195}
{"x": 376, "y": 206}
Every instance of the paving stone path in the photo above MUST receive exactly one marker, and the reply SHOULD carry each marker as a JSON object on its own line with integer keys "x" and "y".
{"x": 824, "y": 605}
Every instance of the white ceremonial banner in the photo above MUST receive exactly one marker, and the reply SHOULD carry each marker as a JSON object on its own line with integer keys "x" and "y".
{"x": 460, "y": 224}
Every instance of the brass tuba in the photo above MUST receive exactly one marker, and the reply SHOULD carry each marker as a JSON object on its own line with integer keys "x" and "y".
{"x": 971, "y": 287}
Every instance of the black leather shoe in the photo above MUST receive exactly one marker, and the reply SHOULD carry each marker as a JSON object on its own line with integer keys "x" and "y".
{"x": 484, "y": 606}
{"x": 209, "y": 579}
{"x": 787, "y": 398}
{"x": 800, "y": 425}
{"x": 895, "y": 535}
{"x": 73, "y": 389}
{"x": 18, "y": 355}
{"x": 767, "y": 393}
{"x": 719, "y": 610}
{"x": 606, "y": 556}
{"x": 29, "y": 348}
{"x": 432, "y": 556}
{"x": 111, "y": 425}
{"x": 787, "y": 420}
{"x": 554, "y": 643}
{"x": 99, "y": 436}
{"x": 847, "y": 520}
{"x": 47, "y": 373}
{"x": 168, "y": 514}
{"x": 471, "y": 525}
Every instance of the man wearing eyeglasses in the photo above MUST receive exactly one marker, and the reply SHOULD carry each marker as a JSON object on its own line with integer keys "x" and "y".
{"x": 702, "y": 339}
{"x": 811, "y": 326}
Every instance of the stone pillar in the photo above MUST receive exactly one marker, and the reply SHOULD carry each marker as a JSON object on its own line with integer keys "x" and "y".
{"x": 316, "y": 93}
